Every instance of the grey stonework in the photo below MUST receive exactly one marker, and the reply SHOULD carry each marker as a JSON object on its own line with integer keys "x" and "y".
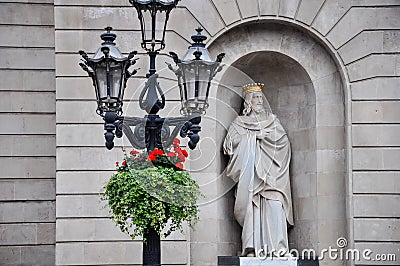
{"x": 332, "y": 72}
{"x": 27, "y": 141}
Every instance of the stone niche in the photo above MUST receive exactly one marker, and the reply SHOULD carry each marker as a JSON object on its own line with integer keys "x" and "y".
{"x": 304, "y": 89}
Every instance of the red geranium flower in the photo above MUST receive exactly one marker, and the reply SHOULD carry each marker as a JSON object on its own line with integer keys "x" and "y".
{"x": 181, "y": 157}
{"x": 177, "y": 141}
{"x": 178, "y": 150}
{"x": 156, "y": 152}
{"x": 185, "y": 153}
{"x": 179, "y": 165}
{"x": 151, "y": 157}
{"x": 124, "y": 162}
{"x": 134, "y": 152}
{"x": 171, "y": 154}
{"x": 116, "y": 163}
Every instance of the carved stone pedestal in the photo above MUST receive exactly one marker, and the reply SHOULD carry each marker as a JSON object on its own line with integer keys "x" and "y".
{"x": 246, "y": 261}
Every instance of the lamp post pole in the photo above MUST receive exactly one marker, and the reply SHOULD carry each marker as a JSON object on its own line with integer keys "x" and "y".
{"x": 109, "y": 71}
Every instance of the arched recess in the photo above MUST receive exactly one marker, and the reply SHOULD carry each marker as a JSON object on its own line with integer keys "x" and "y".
{"x": 305, "y": 89}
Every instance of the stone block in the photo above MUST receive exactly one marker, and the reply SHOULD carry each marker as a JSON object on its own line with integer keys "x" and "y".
{"x": 67, "y": 65}
{"x": 89, "y": 3}
{"x": 7, "y": 190}
{"x": 18, "y": 234}
{"x": 328, "y": 89}
{"x": 326, "y": 238}
{"x": 376, "y": 112}
{"x": 28, "y": 123}
{"x": 229, "y": 231}
{"x": 16, "y": 36}
{"x": 379, "y": 88}
{"x": 27, "y": 167}
{"x": 31, "y": 102}
{"x": 69, "y": 88}
{"x": 206, "y": 14}
{"x": 228, "y": 10}
{"x": 35, "y": 189}
{"x": 81, "y": 206}
{"x": 305, "y": 234}
{"x": 288, "y": 8}
{"x": 112, "y": 253}
{"x": 28, "y": 145}
{"x": 376, "y": 229}
{"x": 84, "y": 135}
{"x": 376, "y": 135}
{"x": 10, "y": 255}
{"x": 42, "y": 211}
{"x": 390, "y": 251}
{"x": 305, "y": 208}
{"x": 331, "y": 184}
{"x": 46, "y": 233}
{"x": 87, "y": 158}
{"x": 70, "y": 253}
{"x": 308, "y": 10}
{"x": 203, "y": 254}
{"x": 174, "y": 253}
{"x": 372, "y": 66}
{"x": 303, "y": 162}
{"x": 373, "y": 2}
{"x": 26, "y": 14}
{"x": 71, "y": 41}
{"x": 331, "y": 207}
{"x": 81, "y": 182}
{"x": 95, "y": 17}
{"x": 391, "y": 40}
{"x": 70, "y": 112}
{"x": 376, "y": 182}
{"x": 304, "y": 186}
{"x": 27, "y": 80}
{"x": 366, "y": 43}
{"x": 376, "y": 158}
{"x": 329, "y": 14}
{"x": 38, "y": 255}
{"x": 28, "y": 102}
{"x": 27, "y": 58}
{"x": 358, "y": 19}
{"x": 205, "y": 225}
{"x": 248, "y": 8}
{"x": 330, "y": 138}
{"x": 269, "y": 7}
{"x": 331, "y": 161}
{"x": 85, "y": 230}
{"x": 378, "y": 206}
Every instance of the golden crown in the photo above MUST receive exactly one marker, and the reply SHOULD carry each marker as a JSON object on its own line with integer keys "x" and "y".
{"x": 253, "y": 87}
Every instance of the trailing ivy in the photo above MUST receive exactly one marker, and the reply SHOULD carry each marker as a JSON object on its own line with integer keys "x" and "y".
{"x": 143, "y": 194}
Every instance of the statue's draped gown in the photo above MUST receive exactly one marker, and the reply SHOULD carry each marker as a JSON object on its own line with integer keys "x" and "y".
{"x": 263, "y": 204}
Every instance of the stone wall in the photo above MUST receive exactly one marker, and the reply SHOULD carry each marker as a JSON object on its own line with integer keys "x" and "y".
{"x": 27, "y": 141}
{"x": 361, "y": 36}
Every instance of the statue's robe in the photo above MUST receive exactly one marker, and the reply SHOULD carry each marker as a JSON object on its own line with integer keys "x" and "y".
{"x": 263, "y": 204}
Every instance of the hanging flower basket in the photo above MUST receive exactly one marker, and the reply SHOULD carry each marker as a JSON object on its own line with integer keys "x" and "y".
{"x": 151, "y": 191}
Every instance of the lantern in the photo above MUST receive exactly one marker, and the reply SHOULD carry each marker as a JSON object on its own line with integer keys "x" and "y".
{"x": 109, "y": 72}
{"x": 195, "y": 73}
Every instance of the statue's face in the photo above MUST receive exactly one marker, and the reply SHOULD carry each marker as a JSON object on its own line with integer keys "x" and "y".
{"x": 257, "y": 102}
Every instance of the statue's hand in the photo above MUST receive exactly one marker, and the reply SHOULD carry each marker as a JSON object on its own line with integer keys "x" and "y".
{"x": 262, "y": 134}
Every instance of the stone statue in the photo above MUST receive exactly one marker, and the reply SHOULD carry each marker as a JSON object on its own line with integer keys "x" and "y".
{"x": 259, "y": 151}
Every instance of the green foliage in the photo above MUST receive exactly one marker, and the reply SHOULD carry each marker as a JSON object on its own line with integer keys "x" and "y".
{"x": 143, "y": 195}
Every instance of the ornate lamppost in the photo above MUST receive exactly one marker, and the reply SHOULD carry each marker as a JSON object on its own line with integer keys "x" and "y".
{"x": 109, "y": 71}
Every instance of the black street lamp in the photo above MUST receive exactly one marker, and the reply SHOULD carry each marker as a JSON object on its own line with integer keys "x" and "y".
{"x": 109, "y": 70}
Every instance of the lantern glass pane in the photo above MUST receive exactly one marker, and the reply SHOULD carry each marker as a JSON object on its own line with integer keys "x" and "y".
{"x": 158, "y": 27}
{"x": 115, "y": 81}
{"x": 204, "y": 77}
{"x": 101, "y": 74}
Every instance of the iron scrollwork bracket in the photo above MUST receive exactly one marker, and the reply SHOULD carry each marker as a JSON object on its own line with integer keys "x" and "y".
{"x": 151, "y": 131}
